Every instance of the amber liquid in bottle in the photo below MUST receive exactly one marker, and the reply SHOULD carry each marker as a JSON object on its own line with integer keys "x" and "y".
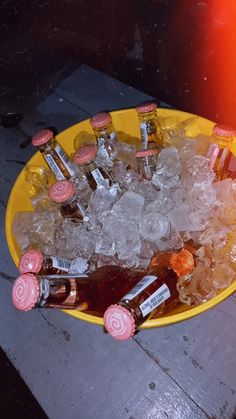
{"x": 149, "y": 130}
{"x": 92, "y": 293}
{"x": 72, "y": 209}
{"x": 156, "y": 293}
{"x": 53, "y": 266}
{"x": 159, "y": 297}
{"x": 57, "y": 159}
{"x": 97, "y": 176}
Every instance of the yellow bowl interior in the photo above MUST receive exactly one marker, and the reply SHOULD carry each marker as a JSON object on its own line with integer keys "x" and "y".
{"x": 124, "y": 120}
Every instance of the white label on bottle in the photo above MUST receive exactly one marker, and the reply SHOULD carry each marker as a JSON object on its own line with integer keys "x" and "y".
{"x": 65, "y": 159}
{"x": 62, "y": 264}
{"x": 102, "y": 151}
{"x": 141, "y": 285}
{"x": 101, "y": 141}
{"x": 99, "y": 179}
{"x": 144, "y": 133}
{"x": 157, "y": 298}
{"x": 113, "y": 136}
{"x": 54, "y": 167}
{"x": 222, "y": 158}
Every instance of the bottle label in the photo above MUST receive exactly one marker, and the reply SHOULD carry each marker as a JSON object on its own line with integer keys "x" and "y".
{"x": 141, "y": 285}
{"x": 113, "y": 136}
{"x": 102, "y": 149}
{"x": 61, "y": 264}
{"x": 54, "y": 167}
{"x": 99, "y": 179}
{"x": 157, "y": 298}
{"x": 65, "y": 159}
{"x": 144, "y": 133}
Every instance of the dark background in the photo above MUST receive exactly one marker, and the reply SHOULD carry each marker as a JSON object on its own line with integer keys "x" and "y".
{"x": 182, "y": 52}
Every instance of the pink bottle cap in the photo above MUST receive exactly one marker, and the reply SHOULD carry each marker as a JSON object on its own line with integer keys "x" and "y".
{"x": 224, "y": 131}
{"x": 146, "y": 153}
{"x": 119, "y": 322}
{"x": 146, "y": 107}
{"x": 61, "y": 191}
{"x": 25, "y": 293}
{"x": 100, "y": 120}
{"x": 31, "y": 261}
{"x": 42, "y": 137}
{"x": 85, "y": 154}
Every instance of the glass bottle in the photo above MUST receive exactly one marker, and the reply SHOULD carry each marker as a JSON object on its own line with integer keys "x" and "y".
{"x": 55, "y": 156}
{"x": 155, "y": 294}
{"x": 150, "y": 135}
{"x": 105, "y": 136}
{"x": 219, "y": 151}
{"x": 96, "y": 176}
{"x": 91, "y": 292}
{"x": 35, "y": 262}
{"x": 63, "y": 193}
{"x": 147, "y": 161}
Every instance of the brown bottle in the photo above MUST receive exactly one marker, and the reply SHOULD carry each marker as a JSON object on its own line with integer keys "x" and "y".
{"x": 35, "y": 262}
{"x": 155, "y": 294}
{"x": 96, "y": 176}
{"x": 149, "y": 129}
{"x": 92, "y": 292}
{"x": 55, "y": 156}
{"x": 63, "y": 193}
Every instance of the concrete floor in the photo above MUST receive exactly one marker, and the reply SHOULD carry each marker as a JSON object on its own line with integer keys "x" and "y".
{"x": 74, "y": 370}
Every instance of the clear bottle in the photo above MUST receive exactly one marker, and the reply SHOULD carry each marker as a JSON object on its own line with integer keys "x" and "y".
{"x": 106, "y": 137}
{"x": 63, "y": 193}
{"x": 96, "y": 176}
{"x": 219, "y": 151}
{"x": 147, "y": 161}
{"x": 150, "y": 132}
{"x": 154, "y": 295}
{"x": 92, "y": 292}
{"x": 55, "y": 156}
{"x": 34, "y": 261}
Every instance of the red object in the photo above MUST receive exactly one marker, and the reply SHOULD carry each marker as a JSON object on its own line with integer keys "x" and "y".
{"x": 224, "y": 131}
{"x": 101, "y": 120}
{"x": 85, "y": 154}
{"x": 61, "y": 191}
{"x": 26, "y": 291}
{"x": 147, "y": 153}
{"x": 42, "y": 137}
{"x": 31, "y": 261}
{"x": 119, "y": 322}
{"x": 146, "y": 107}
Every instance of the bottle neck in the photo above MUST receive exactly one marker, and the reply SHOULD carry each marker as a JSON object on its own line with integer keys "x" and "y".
{"x": 62, "y": 292}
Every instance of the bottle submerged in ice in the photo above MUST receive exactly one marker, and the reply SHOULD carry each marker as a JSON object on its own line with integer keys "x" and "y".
{"x": 63, "y": 194}
{"x": 147, "y": 160}
{"x": 222, "y": 160}
{"x": 149, "y": 127}
{"x": 106, "y": 138}
{"x": 34, "y": 261}
{"x": 96, "y": 176}
{"x": 53, "y": 153}
{"x": 155, "y": 294}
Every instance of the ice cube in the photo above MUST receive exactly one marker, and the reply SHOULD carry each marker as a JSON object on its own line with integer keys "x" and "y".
{"x": 130, "y": 206}
{"x": 35, "y": 228}
{"x": 105, "y": 245}
{"x": 78, "y": 265}
{"x": 154, "y": 226}
{"x": 197, "y": 287}
{"x": 223, "y": 190}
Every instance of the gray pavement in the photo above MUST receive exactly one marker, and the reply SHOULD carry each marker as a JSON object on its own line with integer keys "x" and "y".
{"x": 75, "y": 371}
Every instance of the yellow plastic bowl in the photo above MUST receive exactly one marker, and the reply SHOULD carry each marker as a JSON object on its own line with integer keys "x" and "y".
{"x": 124, "y": 120}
